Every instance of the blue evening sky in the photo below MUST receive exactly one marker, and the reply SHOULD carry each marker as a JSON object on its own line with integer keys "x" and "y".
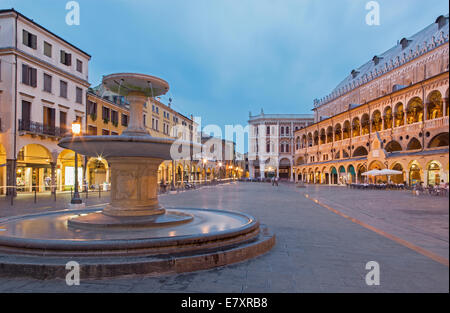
{"x": 224, "y": 58}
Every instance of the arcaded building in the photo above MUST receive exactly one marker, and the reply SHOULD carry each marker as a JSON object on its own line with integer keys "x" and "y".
{"x": 391, "y": 112}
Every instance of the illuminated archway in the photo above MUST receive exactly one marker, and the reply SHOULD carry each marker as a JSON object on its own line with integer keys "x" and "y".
{"x": 33, "y": 169}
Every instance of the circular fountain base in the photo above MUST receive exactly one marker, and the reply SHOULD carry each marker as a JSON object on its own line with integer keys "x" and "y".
{"x": 102, "y": 220}
{"x": 40, "y": 245}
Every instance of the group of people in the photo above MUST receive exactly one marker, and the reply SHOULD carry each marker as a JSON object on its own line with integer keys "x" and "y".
{"x": 437, "y": 189}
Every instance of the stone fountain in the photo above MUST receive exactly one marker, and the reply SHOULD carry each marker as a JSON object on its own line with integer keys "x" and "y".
{"x": 133, "y": 234}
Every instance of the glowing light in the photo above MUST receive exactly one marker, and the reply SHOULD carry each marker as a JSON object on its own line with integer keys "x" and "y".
{"x": 76, "y": 128}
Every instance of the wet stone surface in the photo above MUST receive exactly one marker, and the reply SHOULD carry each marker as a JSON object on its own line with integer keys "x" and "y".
{"x": 316, "y": 250}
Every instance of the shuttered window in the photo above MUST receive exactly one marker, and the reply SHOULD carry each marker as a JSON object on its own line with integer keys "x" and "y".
{"x": 66, "y": 58}
{"x": 79, "y": 95}
{"x": 47, "y": 83}
{"x": 47, "y": 49}
{"x": 29, "y": 39}
{"x": 29, "y": 75}
{"x": 63, "y": 89}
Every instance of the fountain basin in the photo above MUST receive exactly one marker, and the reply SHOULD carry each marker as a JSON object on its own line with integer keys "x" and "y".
{"x": 40, "y": 245}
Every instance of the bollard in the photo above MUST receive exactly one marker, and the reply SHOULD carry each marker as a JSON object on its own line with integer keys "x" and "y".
{"x": 99, "y": 191}
{"x": 35, "y": 194}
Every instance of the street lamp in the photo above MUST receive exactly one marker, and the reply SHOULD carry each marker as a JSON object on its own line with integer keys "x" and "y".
{"x": 220, "y": 170}
{"x": 204, "y": 167}
{"x": 76, "y": 130}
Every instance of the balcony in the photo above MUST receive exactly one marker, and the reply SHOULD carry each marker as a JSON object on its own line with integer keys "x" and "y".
{"x": 437, "y": 123}
{"x": 35, "y": 128}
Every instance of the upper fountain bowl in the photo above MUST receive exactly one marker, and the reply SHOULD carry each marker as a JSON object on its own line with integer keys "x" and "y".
{"x": 125, "y": 83}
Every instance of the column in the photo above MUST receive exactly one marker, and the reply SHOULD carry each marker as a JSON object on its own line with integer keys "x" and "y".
{"x": 53, "y": 177}
{"x": 11, "y": 176}
{"x": 278, "y": 170}
{"x": 292, "y": 172}
{"x": 261, "y": 170}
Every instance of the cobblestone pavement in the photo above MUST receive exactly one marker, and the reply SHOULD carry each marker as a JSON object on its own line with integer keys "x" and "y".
{"x": 316, "y": 250}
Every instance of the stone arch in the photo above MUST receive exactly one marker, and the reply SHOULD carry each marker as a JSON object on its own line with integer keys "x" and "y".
{"x": 414, "y": 110}
{"x": 434, "y": 173}
{"x": 398, "y": 179}
{"x": 393, "y": 146}
{"x": 360, "y": 151}
{"x": 329, "y": 134}
{"x": 346, "y": 130}
{"x": 435, "y": 107}
{"x": 387, "y": 118}
{"x": 97, "y": 172}
{"x": 322, "y": 136}
{"x": 440, "y": 140}
{"x": 310, "y": 140}
{"x": 356, "y": 127}
{"x": 399, "y": 114}
{"x": 365, "y": 124}
{"x": 414, "y": 144}
{"x": 316, "y": 138}
{"x": 337, "y": 132}
{"x": 66, "y": 169}
{"x": 377, "y": 122}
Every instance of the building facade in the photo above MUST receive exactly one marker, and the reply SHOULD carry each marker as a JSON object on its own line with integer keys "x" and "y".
{"x": 43, "y": 84}
{"x": 271, "y": 144}
{"x": 392, "y": 112}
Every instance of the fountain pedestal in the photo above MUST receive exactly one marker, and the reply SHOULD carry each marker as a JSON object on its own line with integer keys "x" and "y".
{"x": 134, "y": 187}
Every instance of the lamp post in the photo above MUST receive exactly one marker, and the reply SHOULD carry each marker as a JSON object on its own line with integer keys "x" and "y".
{"x": 220, "y": 170}
{"x": 76, "y": 130}
{"x": 206, "y": 173}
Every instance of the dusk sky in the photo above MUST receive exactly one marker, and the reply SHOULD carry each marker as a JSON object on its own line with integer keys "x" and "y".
{"x": 224, "y": 58}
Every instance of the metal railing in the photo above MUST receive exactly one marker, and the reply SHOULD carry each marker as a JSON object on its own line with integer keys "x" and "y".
{"x": 42, "y": 129}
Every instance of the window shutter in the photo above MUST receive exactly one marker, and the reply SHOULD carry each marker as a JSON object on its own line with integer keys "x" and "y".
{"x": 68, "y": 59}
{"x": 33, "y": 77}
{"x": 34, "y": 41}
{"x": 25, "y": 37}
{"x": 63, "y": 57}
{"x": 25, "y": 79}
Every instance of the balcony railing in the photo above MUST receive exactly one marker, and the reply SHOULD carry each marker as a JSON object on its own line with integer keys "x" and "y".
{"x": 42, "y": 129}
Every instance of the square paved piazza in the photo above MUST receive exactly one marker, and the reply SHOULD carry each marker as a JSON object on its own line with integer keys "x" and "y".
{"x": 317, "y": 250}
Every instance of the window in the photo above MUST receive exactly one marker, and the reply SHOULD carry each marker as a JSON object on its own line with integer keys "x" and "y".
{"x": 79, "y": 95}
{"x": 124, "y": 120}
{"x": 282, "y": 147}
{"x": 79, "y": 66}
{"x": 145, "y": 120}
{"x": 114, "y": 134}
{"x": 47, "y": 49}
{"x": 156, "y": 125}
{"x": 26, "y": 111}
{"x": 92, "y": 130}
{"x": 63, "y": 89}
{"x": 287, "y": 131}
{"x": 115, "y": 117}
{"x": 105, "y": 114}
{"x": 91, "y": 108}
{"x": 268, "y": 147}
{"x": 66, "y": 58}
{"x": 29, "y": 75}
{"x": 105, "y": 132}
{"x": 47, "y": 83}
{"x": 29, "y": 39}
{"x": 63, "y": 120}
{"x": 268, "y": 130}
